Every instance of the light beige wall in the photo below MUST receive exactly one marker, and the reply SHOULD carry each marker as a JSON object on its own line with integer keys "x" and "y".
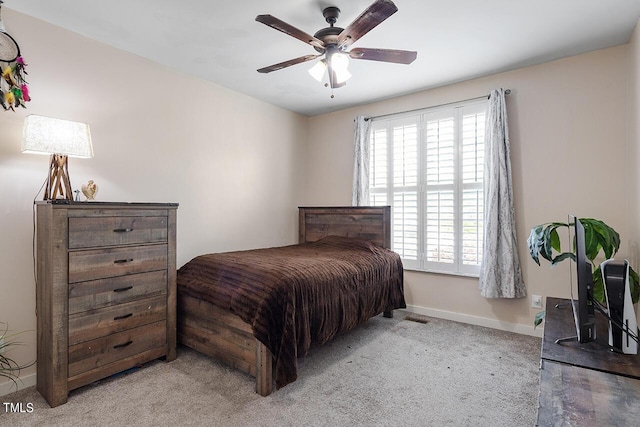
{"x": 568, "y": 127}
{"x": 235, "y": 164}
{"x": 634, "y": 144}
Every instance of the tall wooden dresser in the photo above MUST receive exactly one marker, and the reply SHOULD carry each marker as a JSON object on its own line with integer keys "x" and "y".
{"x": 105, "y": 291}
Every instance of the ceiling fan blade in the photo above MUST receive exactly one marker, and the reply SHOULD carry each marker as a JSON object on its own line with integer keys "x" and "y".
{"x": 285, "y": 64}
{"x": 369, "y": 19}
{"x": 384, "y": 55}
{"x": 280, "y": 25}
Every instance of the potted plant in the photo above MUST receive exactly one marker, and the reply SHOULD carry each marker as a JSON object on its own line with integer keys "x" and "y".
{"x": 9, "y": 368}
{"x": 544, "y": 241}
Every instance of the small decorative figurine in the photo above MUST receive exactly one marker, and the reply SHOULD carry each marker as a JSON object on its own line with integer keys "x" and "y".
{"x": 90, "y": 189}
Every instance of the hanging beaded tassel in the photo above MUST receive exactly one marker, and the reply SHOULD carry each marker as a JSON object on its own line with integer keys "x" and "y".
{"x": 14, "y": 91}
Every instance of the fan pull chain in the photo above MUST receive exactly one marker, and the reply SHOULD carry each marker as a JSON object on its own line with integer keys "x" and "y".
{"x": 332, "y": 95}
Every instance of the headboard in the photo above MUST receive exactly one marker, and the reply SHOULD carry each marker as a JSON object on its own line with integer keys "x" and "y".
{"x": 364, "y": 222}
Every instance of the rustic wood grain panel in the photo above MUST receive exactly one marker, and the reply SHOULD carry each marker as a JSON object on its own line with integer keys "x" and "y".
{"x": 172, "y": 291}
{"x": 113, "y": 368}
{"x": 202, "y": 341}
{"x": 212, "y": 331}
{"x": 92, "y": 288}
{"x": 264, "y": 370}
{"x": 52, "y": 305}
{"x": 84, "y": 296}
{"x": 112, "y": 262}
{"x": 574, "y": 396}
{"x": 559, "y": 323}
{"x": 92, "y": 324}
{"x": 364, "y": 222}
{"x": 109, "y": 209}
{"x": 204, "y": 311}
{"x": 102, "y": 351}
{"x": 88, "y": 232}
{"x": 217, "y": 333}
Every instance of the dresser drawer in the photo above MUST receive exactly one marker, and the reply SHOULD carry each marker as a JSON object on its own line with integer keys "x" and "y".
{"x": 109, "y": 320}
{"x": 102, "y": 263}
{"x": 91, "y": 232}
{"x": 102, "y": 351}
{"x": 85, "y": 296}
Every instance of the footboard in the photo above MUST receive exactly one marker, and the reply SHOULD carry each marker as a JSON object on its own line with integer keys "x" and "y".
{"x": 210, "y": 330}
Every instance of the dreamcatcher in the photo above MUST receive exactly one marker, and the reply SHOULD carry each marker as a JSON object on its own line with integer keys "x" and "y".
{"x": 13, "y": 86}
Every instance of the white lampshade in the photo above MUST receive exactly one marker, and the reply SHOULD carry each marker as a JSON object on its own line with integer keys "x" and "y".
{"x": 339, "y": 61}
{"x": 45, "y": 135}
{"x": 318, "y": 70}
{"x": 340, "y": 64}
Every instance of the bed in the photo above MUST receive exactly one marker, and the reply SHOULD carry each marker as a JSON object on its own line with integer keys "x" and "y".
{"x": 259, "y": 310}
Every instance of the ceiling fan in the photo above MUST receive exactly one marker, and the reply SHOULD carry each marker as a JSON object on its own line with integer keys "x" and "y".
{"x": 333, "y": 42}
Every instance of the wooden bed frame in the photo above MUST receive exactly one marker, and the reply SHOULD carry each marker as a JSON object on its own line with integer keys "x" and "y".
{"x": 225, "y": 336}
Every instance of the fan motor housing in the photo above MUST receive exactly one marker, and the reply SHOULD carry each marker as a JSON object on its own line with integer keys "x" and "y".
{"x": 330, "y": 34}
{"x": 331, "y": 14}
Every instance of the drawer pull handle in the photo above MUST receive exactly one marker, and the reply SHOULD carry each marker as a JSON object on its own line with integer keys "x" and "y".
{"x": 123, "y": 261}
{"x": 123, "y": 316}
{"x": 123, "y": 230}
{"x": 123, "y": 289}
{"x": 123, "y": 345}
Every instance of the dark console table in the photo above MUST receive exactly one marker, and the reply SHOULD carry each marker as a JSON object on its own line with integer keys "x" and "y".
{"x": 585, "y": 384}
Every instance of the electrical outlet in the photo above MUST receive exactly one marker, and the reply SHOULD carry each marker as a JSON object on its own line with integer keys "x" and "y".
{"x": 536, "y": 301}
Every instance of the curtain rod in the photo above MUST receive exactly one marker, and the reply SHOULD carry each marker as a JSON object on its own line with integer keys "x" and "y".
{"x": 506, "y": 92}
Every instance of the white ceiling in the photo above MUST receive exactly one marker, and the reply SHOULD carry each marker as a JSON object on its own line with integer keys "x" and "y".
{"x": 220, "y": 41}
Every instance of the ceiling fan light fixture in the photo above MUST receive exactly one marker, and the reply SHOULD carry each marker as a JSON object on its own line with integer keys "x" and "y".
{"x": 334, "y": 43}
{"x": 342, "y": 75}
{"x": 340, "y": 64}
{"x": 339, "y": 61}
{"x": 318, "y": 70}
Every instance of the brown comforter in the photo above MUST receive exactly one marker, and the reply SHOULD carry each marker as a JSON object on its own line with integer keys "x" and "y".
{"x": 294, "y": 296}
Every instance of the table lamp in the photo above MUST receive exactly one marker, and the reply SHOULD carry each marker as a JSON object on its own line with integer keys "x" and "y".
{"x": 61, "y": 139}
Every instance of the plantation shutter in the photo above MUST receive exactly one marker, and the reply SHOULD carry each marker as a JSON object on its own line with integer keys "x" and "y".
{"x": 429, "y": 167}
{"x": 439, "y": 237}
{"x": 472, "y": 169}
{"x": 405, "y": 189}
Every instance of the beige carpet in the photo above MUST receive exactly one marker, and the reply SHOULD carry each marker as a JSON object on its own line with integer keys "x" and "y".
{"x": 388, "y": 372}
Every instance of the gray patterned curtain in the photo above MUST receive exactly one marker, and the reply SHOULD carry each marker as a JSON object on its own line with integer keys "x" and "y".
{"x": 500, "y": 274}
{"x": 360, "y": 188}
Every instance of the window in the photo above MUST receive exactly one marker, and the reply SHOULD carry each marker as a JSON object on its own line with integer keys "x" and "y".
{"x": 428, "y": 166}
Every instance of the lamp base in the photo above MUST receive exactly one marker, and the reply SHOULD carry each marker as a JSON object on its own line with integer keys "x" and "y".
{"x": 58, "y": 184}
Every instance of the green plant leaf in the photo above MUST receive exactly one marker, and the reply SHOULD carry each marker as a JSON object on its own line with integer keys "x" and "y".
{"x": 598, "y": 285}
{"x": 9, "y": 368}
{"x": 544, "y": 239}
{"x": 605, "y": 236}
{"x": 562, "y": 257}
{"x": 608, "y": 238}
{"x": 534, "y": 242}
{"x": 550, "y": 240}
{"x": 591, "y": 243}
{"x": 555, "y": 239}
{"x": 545, "y": 247}
{"x": 538, "y": 319}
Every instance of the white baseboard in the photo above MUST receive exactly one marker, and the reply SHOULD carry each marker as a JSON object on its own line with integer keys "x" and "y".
{"x": 479, "y": 321}
{"x": 25, "y": 381}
